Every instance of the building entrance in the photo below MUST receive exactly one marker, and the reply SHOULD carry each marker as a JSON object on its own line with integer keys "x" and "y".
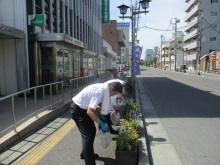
{"x": 47, "y": 66}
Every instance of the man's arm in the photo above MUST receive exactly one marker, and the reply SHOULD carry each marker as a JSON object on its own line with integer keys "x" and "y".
{"x": 92, "y": 115}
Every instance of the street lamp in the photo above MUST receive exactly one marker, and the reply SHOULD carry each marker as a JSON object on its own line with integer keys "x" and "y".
{"x": 123, "y": 10}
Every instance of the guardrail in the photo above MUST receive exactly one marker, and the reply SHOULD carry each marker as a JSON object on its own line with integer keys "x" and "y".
{"x": 17, "y": 108}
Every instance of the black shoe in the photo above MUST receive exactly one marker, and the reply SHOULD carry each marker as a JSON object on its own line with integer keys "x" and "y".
{"x": 95, "y": 155}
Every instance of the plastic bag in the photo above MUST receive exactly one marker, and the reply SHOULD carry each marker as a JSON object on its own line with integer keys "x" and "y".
{"x": 115, "y": 118}
{"x": 105, "y": 138}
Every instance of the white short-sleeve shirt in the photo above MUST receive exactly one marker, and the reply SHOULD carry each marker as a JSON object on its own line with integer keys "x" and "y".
{"x": 90, "y": 96}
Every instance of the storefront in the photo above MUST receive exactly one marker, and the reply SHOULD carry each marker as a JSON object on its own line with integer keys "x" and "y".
{"x": 58, "y": 57}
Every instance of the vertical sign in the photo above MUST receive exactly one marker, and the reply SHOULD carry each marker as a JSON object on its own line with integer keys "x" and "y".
{"x": 105, "y": 11}
{"x": 123, "y": 55}
{"x": 127, "y": 56}
{"x": 136, "y": 59}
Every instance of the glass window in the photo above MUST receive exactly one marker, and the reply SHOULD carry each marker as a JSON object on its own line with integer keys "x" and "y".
{"x": 61, "y": 17}
{"x": 76, "y": 64}
{"x": 60, "y": 70}
{"x": 213, "y": 13}
{"x": 38, "y": 7}
{"x": 71, "y": 23}
{"x": 54, "y": 12}
{"x": 85, "y": 64}
{"x": 214, "y": 1}
{"x": 66, "y": 20}
{"x": 212, "y": 38}
{"x": 47, "y": 14}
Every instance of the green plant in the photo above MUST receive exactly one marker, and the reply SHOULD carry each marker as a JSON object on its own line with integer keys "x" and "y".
{"x": 128, "y": 135}
{"x": 134, "y": 123}
{"x": 130, "y": 110}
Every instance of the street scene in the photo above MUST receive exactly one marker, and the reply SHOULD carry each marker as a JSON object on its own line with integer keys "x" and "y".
{"x": 180, "y": 114}
{"x": 109, "y": 82}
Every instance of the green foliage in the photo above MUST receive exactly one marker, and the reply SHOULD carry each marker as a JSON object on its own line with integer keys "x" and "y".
{"x": 128, "y": 135}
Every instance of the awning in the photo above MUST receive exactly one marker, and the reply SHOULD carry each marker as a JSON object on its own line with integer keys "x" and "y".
{"x": 59, "y": 37}
{"x": 7, "y": 32}
{"x": 109, "y": 51}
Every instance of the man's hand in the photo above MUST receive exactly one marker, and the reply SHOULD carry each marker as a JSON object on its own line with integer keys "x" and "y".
{"x": 103, "y": 127}
{"x": 103, "y": 119}
{"x": 128, "y": 103}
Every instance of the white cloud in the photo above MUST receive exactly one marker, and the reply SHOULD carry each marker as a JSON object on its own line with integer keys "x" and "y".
{"x": 160, "y": 14}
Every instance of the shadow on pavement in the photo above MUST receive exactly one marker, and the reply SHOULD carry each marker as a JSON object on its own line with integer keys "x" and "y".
{"x": 106, "y": 161}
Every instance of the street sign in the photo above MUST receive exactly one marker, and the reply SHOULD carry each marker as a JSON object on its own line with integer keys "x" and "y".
{"x": 105, "y": 12}
{"x": 36, "y": 20}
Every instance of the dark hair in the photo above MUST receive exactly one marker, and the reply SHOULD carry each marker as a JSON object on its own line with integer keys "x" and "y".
{"x": 128, "y": 86}
{"x": 117, "y": 86}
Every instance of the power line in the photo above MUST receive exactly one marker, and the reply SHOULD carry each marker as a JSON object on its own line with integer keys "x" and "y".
{"x": 166, "y": 29}
{"x": 210, "y": 25}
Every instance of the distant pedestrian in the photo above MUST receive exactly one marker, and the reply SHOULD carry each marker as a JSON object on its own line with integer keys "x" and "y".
{"x": 115, "y": 73}
{"x": 83, "y": 109}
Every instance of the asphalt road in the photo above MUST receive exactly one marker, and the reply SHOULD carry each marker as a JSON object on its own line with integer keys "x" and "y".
{"x": 188, "y": 106}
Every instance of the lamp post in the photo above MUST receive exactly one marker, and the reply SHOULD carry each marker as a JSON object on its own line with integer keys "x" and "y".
{"x": 123, "y": 10}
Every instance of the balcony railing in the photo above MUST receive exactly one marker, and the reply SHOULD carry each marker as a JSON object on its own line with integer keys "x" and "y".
{"x": 193, "y": 12}
{"x": 191, "y": 35}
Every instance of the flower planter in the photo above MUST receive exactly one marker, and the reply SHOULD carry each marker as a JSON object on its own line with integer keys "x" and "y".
{"x": 126, "y": 157}
{"x": 127, "y": 140}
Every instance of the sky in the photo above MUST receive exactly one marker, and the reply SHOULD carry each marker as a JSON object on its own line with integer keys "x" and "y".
{"x": 161, "y": 13}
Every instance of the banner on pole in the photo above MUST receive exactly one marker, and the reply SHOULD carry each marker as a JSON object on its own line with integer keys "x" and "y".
{"x": 137, "y": 51}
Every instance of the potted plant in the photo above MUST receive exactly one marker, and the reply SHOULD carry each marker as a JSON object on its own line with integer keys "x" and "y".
{"x": 127, "y": 142}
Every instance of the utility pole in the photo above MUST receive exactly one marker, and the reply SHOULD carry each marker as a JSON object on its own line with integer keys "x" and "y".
{"x": 200, "y": 47}
{"x": 161, "y": 42}
{"x": 175, "y": 50}
{"x": 170, "y": 53}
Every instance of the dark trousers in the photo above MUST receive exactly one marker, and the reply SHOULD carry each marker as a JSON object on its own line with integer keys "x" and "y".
{"x": 109, "y": 122}
{"x": 87, "y": 129}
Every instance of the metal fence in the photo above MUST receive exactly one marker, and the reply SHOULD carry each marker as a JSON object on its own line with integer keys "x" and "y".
{"x": 17, "y": 108}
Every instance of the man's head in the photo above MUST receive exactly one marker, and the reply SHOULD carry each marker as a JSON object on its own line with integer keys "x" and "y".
{"x": 127, "y": 87}
{"x": 115, "y": 88}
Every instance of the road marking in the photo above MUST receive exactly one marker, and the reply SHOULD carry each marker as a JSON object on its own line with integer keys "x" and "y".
{"x": 37, "y": 154}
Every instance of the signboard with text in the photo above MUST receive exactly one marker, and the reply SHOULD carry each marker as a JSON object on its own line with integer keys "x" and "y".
{"x": 105, "y": 12}
{"x": 36, "y": 20}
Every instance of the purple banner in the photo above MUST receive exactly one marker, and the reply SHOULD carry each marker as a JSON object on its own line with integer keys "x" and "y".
{"x": 136, "y": 60}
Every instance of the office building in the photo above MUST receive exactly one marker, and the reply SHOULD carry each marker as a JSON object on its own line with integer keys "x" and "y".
{"x": 45, "y": 41}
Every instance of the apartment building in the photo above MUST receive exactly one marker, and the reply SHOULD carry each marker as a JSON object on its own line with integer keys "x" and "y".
{"x": 149, "y": 54}
{"x": 170, "y": 48}
{"x": 202, "y": 30}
